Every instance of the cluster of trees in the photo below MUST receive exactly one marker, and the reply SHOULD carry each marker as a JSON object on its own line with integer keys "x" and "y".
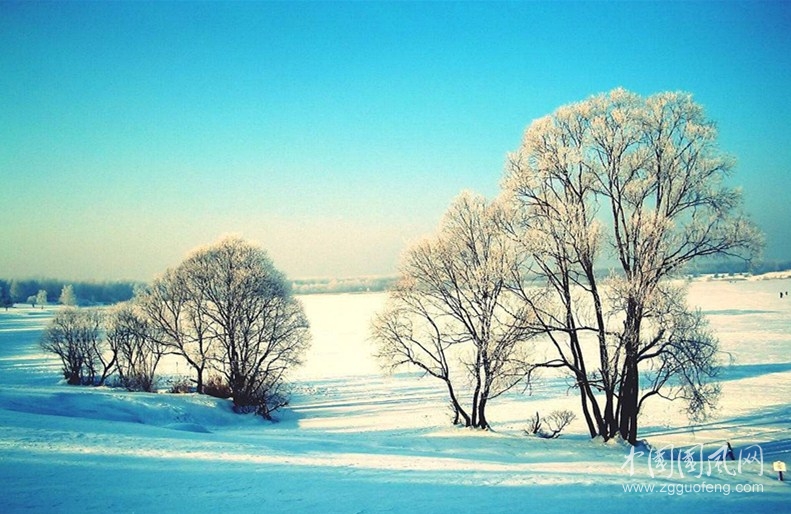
{"x": 571, "y": 268}
{"x": 40, "y": 299}
{"x": 226, "y": 311}
{"x": 41, "y": 291}
{"x": 604, "y": 202}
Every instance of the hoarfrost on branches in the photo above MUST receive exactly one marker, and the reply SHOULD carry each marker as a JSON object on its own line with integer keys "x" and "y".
{"x": 639, "y": 182}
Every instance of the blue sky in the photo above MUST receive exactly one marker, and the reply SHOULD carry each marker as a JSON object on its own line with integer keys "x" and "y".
{"x": 334, "y": 134}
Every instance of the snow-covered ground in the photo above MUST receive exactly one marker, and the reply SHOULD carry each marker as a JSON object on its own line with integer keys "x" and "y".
{"x": 355, "y": 440}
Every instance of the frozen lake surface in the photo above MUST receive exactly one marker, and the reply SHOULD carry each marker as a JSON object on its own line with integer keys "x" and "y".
{"x": 356, "y": 440}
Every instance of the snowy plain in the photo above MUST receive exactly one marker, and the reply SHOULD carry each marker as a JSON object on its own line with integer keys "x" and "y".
{"x": 357, "y": 440}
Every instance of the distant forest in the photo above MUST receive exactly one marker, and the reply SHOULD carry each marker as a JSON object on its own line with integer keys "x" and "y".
{"x": 86, "y": 293}
{"x": 106, "y": 293}
{"x": 726, "y": 267}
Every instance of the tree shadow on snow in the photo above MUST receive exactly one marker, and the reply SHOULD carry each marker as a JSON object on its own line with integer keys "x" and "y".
{"x": 742, "y": 371}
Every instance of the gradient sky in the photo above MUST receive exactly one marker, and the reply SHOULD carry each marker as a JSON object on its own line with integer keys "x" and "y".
{"x": 334, "y": 134}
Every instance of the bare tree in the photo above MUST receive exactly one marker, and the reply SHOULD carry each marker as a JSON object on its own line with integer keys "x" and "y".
{"x": 451, "y": 314}
{"x": 178, "y": 311}
{"x": 638, "y": 181}
{"x": 243, "y": 305}
{"x": 409, "y": 332}
{"x": 74, "y": 335}
{"x": 136, "y": 345}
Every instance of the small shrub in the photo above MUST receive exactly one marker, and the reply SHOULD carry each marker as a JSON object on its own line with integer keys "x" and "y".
{"x": 216, "y": 386}
{"x": 139, "y": 382}
{"x": 555, "y": 422}
{"x": 263, "y": 403}
{"x": 535, "y": 425}
{"x": 181, "y": 386}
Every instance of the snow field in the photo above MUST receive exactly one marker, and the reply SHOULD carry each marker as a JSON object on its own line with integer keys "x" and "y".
{"x": 356, "y": 440}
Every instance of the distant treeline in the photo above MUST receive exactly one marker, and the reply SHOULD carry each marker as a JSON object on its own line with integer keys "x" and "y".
{"x": 86, "y": 293}
{"x": 342, "y": 285}
{"x": 729, "y": 267}
{"x": 378, "y": 284}
{"x": 106, "y": 293}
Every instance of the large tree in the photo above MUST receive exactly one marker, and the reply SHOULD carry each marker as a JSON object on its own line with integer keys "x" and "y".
{"x": 451, "y": 314}
{"x": 612, "y": 197}
{"x": 228, "y": 304}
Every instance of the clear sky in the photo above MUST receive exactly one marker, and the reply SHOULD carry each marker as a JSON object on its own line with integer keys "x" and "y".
{"x": 334, "y": 134}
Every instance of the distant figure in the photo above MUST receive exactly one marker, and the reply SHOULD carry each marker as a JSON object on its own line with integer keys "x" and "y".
{"x": 730, "y": 452}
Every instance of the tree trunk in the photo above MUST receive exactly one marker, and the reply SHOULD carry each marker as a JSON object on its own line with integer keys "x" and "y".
{"x": 590, "y": 405}
{"x": 474, "y": 416}
{"x": 477, "y": 393}
{"x": 628, "y": 407}
{"x": 630, "y": 385}
{"x": 199, "y": 380}
{"x": 482, "y": 423}
{"x": 609, "y": 422}
{"x": 458, "y": 410}
{"x": 586, "y": 412}
{"x": 74, "y": 377}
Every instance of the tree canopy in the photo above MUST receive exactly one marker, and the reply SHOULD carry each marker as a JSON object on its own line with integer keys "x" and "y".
{"x": 636, "y": 185}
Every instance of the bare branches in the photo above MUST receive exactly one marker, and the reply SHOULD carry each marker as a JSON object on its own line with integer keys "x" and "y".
{"x": 133, "y": 340}
{"x": 453, "y": 313}
{"x": 227, "y": 310}
{"x": 552, "y": 425}
{"x": 74, "y": 335}
{"x": 652, "y": 166}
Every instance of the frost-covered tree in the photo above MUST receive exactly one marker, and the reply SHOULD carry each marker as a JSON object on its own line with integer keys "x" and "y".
{"x": 239, "y": 306}
{"x": 15, "y": 291}
{"x": 451, "y": 314}
{"x": 75, "y": 336}
{"x": 41, "y": 298}
{"x": 134, "y": 341}
{"x": 178, "y": 311}
{"x": 67, "y": 296}
{"x": 637, "y": 182}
